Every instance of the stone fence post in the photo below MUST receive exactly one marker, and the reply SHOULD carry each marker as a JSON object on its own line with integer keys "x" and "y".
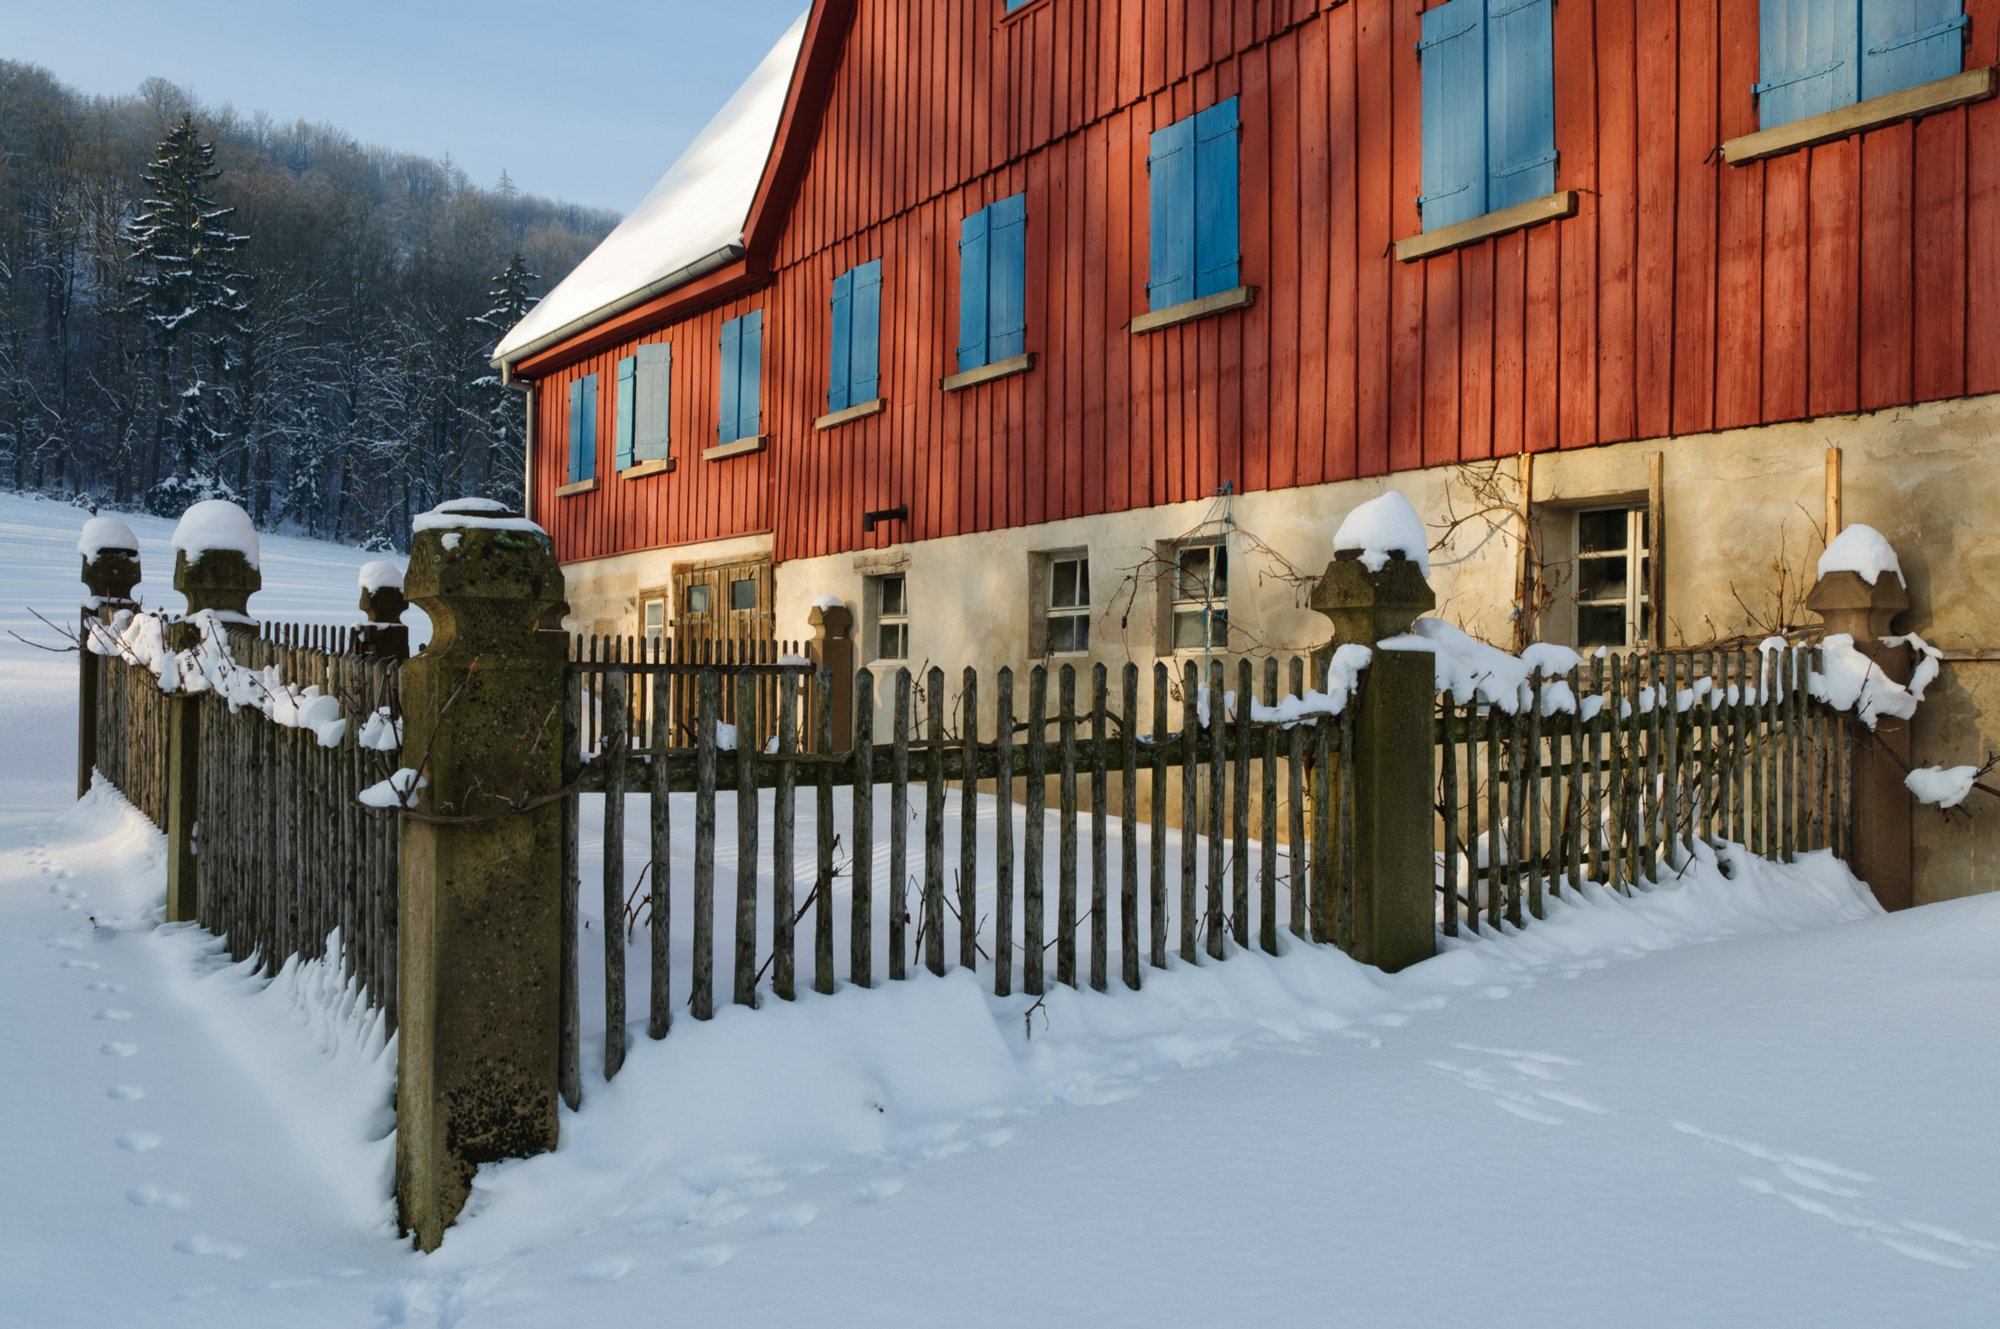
{"x": 1883, "y": 820}
{"x": 832, "y": 649}
{"x": 480, "y": 919}
{"x": 1391, "y": 766}
{"x": 222, "y": 580}
{"x": 110, "y": 574}
{"x": 382, "y": 632}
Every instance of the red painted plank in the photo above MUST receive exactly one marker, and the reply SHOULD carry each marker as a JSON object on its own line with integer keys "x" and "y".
{"x": 1658, "y": 42}
{"x": 1326, "y": 199}
{"x": 1617, "y": 226}
{"x": 1406, "y": 280}
{"x": 1833, "y": 298}
{"x": 1785, "y": 288}
{"x": 1091, "y": 347}
{"x": 1441, "y": 386}
{"x": 1576, "y": 131}
{"x": 1375, "y": 184}
{"x": 1887, "y": 269}
{"x": 1938, "y": 271}
{"x": 1475, "y": 354}
{"x": 1507, "y": 314}
{"x": 1696, "y": 197}
{"x": 1272, "y": 387}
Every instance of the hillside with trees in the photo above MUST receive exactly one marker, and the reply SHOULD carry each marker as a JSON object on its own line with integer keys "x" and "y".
{"x": 198, "y": 303}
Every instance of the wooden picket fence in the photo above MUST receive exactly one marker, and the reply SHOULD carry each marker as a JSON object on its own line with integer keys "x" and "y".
{"x": 131, "y": 733}
{"x": 1688, "y": 745}
{"x": 936, "y": 751}
{"x": 663, "y": 675}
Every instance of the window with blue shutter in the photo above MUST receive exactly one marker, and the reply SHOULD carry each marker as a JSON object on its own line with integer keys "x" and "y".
{"x": 1819, "y": 55}
{"x": 854, "y": 373}
{"x": 653, "y": 399}
{"x": 993, "y": 284}
{"x": 1489, "y": 107}
{"x": 583, "y": 428}
{"x": 1196, "y": 248}
{"x": 742, "y": 360}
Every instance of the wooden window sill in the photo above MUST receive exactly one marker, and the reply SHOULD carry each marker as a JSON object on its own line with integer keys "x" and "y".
{"x": 575, "y": 487}
{"x": 1535, "y": 211}
{"x": 987, "y": 373}
{"x": 640, "y": 470}
{"x": 1189, "y": 310}
{"x": 1924, "y": 99}
{"x": 739, "y": 447}
{"x": 847, "y": 415}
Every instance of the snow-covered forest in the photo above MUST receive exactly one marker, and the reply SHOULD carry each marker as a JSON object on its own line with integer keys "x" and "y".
{"x": 196, "y": 302}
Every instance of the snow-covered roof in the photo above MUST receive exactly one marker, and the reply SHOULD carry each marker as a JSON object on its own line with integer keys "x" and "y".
{"x": 698, "y": 208}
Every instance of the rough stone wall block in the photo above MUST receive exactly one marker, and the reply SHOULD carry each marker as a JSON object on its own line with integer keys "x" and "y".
{"x": 110, "y": 578}
{"x": 1391, "y": 766}
{"x": 1884, "y": 814}
{"x": 479, "y": 945}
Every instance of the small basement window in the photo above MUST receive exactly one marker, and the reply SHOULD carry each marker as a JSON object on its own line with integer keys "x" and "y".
{"x": 1200, "y": 588}
{"x": 890, "y": 600}
{"x": 1067, "y": 622}
{"x": 1613, "y": 572}
{"x": 653, "y": 623}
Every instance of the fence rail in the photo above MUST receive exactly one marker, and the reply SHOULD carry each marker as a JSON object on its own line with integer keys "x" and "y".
{"x": 662, "y": 672}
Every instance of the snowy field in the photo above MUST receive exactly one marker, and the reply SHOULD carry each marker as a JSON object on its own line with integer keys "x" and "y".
{"x": 1754, "y": 1101}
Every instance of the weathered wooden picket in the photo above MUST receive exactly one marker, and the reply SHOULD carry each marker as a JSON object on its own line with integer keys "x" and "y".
{"x": 1689, "y": 745}
{"x": 665, "y": 674}
{"x": 131, "y": 732}
{"x": 937, "y": 749}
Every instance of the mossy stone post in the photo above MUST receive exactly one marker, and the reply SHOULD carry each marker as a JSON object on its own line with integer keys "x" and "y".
{"x": 219, "y": 581}
{"x": 382, "y": 632}
{"x": 110, "y": 575}
{"x": 833, "y": 650}
{"x": 1391, "y": 766}
{"x": 480, "y": 923}
{"x": 1884, "y": 815}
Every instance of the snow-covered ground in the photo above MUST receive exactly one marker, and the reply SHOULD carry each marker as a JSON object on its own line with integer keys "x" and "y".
{"x": 1750, "y": 1101}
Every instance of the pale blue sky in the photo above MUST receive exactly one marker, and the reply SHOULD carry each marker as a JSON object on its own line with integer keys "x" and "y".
{"x": 584, "y": 101}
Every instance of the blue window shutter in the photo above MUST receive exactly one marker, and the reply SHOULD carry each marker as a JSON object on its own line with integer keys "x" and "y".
{"x": 727, "y": 428}
{"x": 1007, "y": 279}
{"x": 973, "y": 285}
{"x": 1809, "y": 58}
{"x": 575, "y": 470}
{"x": 652, "y": 428}
{"x": 864, "y": 376}
{"x": 1217, "y": 246}
{"x": 1907, "y": 42}
{"x": 1172, "y": 166}
{"x": 1453, "y": 50}
{"x": 628, "y": 401}
{"x": 587, "y": 464}
{"x": 749, "y": 400}
{"x": 1520, "y": 102}
{"x": 840, "y": 363}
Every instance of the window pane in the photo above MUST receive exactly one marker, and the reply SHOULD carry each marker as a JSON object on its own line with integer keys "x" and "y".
{"x": 656, "y": 613}
{"x": 1193, "y": 583}
{"x": 1600, "y": 531}
{"x": 1188, "y": 630}
{"x": 1600, "y": 579}
{"x": 1219, "y": 578}
{"x": 1218, "y": 628}
{"x": 892, "y": 641}
{"x": 1600, "y": 625}
{"x": 743, "y": 593}
{"x": 1062, "y": 633}
{"x": 892, "y": 597}
{"x": 1062, "y": 591}
{"x": 697, "y": 599}
{"x": 1081, "y": 628}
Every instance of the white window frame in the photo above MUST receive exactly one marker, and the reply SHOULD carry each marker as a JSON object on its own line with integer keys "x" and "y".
{"x": 1636, "y": 600}
{"x": 1077, "y": 612}
{"x": 881, "y": 618}
{"x": 1179, "y": 605}
{"x": 652, "y": 632}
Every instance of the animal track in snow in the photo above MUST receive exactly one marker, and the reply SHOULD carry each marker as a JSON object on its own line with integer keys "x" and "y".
{"x": 119, "y": 1049}
{"x": 138, "y": 1142}
{"x": 101, "y": 986}
{"x": 202, "y": 1244}
{"x": 605, "y": 1271}
{"x": 125, "y": 1093}
{"x": 81, "y": 964}
{"x": 791, "y": 1218}
{"x": 110, "y": 1014}
{"x": 705, "y": 1257}
{"x": 153, "y": 1197}
{"x": 881, "y": 1188}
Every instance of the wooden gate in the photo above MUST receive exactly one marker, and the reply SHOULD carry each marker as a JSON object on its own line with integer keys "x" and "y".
{"x": 724, "y": 600}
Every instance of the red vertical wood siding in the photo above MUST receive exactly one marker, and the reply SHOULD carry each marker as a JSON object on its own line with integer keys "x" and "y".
{"x": 1684, "y": 296}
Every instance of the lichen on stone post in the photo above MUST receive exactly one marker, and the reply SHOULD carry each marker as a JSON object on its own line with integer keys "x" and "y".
{"x": 1391, "y": 766}
{"x": 1883, "y": 826}
{"x": 479, "y": 941}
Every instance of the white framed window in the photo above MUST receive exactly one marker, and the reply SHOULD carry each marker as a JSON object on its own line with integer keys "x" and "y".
{"x": 653, "y": 623}
{"x": 1613, "y": 576}
{"x": 1066, "y": 623}
{"x": 891, "y": 601}
{"x": 1200, "y": 610}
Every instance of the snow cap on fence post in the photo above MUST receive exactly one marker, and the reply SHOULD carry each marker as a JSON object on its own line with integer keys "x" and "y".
{"x": 1860, "y": 593}
{"x": 480, "y": 929}
{"x": 382, "y": 631}
{"x": 1373, "y": 592}
{"x": 215, "y": 561}
{"x": 832, "y": 649}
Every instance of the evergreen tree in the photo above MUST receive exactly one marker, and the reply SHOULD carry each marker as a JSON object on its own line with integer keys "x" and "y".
{"x": 499, "y": 472}
{"x": 193, "y": 300}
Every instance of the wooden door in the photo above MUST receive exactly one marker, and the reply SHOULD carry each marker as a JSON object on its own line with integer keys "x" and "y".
{"x": 724, "y": 600}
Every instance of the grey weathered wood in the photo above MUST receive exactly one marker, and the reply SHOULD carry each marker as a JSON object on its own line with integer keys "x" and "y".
{"x": 823, "y": 975}
{"x": 613, "y": 758}
{"x": 1066, "y": 829}
{"x": 933, "y": 911}
{"x": 1675, "y": 809}
{"x": 660, "y": 915}
{"x": 899, "y": 827}
{"x": 747, "y": 844}
{"x": 1497, "y": 867}
{"x": 1575, "y": 807}
{"x": 968, "y": 825}
{"x": 1448, "y": 783}
{"x": 708, "y": 701}
{"x": 1099, "y": 795}
{"x": 1267, "y": 847}
{"x": 1788, "y": 716}
{"x": 1617, "y": 822}
{"x": 784, "y": 837}
{"x": 1344, "y": 884}
{"x": 861, "y": 913}
{"x": 569, "y": 1073}
{"x": 1469, "y": 722}
{"x": 1033, "y": 853}
{"x": 1531, "y": 797}
{"x": 1295, "y": 838}
{"x": 1218, "y": 773}
{"x": 1190, "y": 803}
{"x": 1239, "y": 806}
{"x": 1156, "y": 835}
{"x": 1128, "y": 829}
{"x": 1003, "y": 836}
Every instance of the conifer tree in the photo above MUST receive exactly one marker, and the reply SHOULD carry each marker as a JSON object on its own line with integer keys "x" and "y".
{"x": 498, "y": 474}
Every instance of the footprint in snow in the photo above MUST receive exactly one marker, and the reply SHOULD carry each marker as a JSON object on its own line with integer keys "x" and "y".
{"x": 125, "y": 1093}
{"x": 110, "y": 1014}
{"x": 605, "y": 1271}
{"x": 202, "y": 1244}
{"x": 791, "y": 1218}
{"x": 705, "y": 1257}
{"x": 138, "y": 1142}
{"x": 994, "y": 1139}
{"x": 153, "y": 1197}
{"x": 119, "y": 1049}
{"x": 101, "y": 986}
{"x": 81, "y": 964}
{"x": 881, "y": 1188}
